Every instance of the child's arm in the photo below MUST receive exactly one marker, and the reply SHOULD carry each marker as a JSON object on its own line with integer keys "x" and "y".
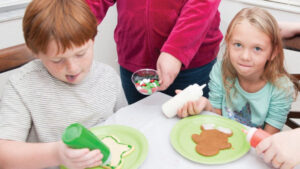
{"x": 195, "y": 107}
{"x": 279, "y": 105}
{"x": 281, "y": 149}
{"x": 270, "y": 129}
{"x": 289, "y": 29}
{"x": 15, "y": 154}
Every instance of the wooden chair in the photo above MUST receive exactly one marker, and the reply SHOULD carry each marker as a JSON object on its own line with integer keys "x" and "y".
{"x": 13, "y": 57}
{"x": 293, "y": 44}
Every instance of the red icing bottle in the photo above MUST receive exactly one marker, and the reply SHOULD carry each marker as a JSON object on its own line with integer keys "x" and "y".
{"x": 256, "y": 135}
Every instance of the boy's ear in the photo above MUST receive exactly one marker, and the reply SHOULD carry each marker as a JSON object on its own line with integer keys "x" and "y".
{"x": 35, "y": 55}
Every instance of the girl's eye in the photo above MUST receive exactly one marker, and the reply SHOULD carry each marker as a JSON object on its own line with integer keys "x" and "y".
{"x": 237, "y": 45}
{"x": 257, "y": 49}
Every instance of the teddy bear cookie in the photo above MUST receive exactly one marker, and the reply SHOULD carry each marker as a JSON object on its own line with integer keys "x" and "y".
{"x": 211, "y": 140}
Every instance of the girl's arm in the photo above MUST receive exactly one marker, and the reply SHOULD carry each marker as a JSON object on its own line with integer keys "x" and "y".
{"x": 279, "y": 105}
{"x": 218, "y": 111}
{"x": 270, "y": 129}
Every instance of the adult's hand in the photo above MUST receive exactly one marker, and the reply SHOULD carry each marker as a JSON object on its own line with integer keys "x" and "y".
{"x": 168, "y": 68}
{"x": 281, "y": 149}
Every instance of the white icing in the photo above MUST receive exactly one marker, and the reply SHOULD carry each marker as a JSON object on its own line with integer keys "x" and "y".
{"x": 224, "y": 130}
{"x": 117, "y": 150}
{"x": 208, "y": 126}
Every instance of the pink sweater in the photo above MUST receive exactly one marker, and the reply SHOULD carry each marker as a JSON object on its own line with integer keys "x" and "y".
{"x": 187, "y": 29}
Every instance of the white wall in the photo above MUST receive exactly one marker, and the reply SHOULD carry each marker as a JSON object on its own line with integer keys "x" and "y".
{"x": 105, "y": 46}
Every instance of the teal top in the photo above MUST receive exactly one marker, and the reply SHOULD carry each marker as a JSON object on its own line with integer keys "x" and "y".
{"x": 270, "y": 104}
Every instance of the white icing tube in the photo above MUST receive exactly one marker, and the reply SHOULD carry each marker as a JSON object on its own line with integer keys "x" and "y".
{"x": 190, "y": 93}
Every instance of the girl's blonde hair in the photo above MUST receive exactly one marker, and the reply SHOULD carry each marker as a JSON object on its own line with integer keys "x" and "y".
{"x": 67, "y": 22}
{"x": 265, "y": 22}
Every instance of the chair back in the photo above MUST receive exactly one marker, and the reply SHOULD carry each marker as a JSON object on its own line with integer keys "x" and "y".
{"x": 14, "y": 57}
{"x": 293, "y": 44}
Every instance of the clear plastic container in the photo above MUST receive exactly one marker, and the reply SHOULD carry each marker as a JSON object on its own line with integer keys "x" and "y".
{"x": 145, "y": 81}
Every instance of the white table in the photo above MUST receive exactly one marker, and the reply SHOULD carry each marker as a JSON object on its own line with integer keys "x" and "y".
{"x": 146, "y": 116}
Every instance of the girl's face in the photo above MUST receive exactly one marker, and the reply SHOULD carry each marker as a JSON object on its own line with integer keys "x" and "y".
{"x": 249, "y": 50}
{"x": 72, "y": 66}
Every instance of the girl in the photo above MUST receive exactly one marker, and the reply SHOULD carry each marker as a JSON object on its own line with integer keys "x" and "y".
{"x": 250, "y": 83}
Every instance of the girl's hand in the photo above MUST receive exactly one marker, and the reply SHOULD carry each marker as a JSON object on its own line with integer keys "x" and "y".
{"x": 192, "y": 107}
{"x": 78, "y": 158}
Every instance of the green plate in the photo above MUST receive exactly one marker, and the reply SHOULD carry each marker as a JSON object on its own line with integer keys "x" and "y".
{"x": 127, "y": 135}
{"x": 181, "y": 139}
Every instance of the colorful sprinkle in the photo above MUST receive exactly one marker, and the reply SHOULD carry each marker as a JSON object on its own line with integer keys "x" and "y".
{"x": 147, "y": 86}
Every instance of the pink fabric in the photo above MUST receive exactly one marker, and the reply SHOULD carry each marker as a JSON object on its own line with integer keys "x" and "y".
{"x": 187, "y": 29}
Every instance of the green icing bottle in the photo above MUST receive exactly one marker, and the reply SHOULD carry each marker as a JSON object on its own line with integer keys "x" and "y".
{"x": 77, "y": 136}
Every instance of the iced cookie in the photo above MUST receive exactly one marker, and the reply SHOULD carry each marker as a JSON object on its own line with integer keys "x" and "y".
{"x": 118, "y": 151}
{"x": 211, "y": 141}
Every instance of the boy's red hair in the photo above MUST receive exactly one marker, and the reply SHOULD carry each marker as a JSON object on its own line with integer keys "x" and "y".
{"x": 67, "y": 22}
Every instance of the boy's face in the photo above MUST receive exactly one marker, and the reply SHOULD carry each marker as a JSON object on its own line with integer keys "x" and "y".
{"x": 72, "y": 66}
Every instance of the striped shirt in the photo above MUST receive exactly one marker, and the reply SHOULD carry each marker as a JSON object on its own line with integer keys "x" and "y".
{"x": 36, "y": 107}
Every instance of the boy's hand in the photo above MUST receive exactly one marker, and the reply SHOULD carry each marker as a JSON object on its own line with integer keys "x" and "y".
{"x": 192, "y": 107}
{"x": 78, "y": 158}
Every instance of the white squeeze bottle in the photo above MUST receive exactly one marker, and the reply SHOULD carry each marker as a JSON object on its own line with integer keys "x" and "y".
{"x": 190, "y": 93}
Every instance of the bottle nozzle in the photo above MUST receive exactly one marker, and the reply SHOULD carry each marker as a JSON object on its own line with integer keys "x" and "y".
{"x": 202, "y": 86}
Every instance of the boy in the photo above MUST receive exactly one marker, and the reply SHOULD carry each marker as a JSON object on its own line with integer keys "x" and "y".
{"x": 64, "y": 85}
